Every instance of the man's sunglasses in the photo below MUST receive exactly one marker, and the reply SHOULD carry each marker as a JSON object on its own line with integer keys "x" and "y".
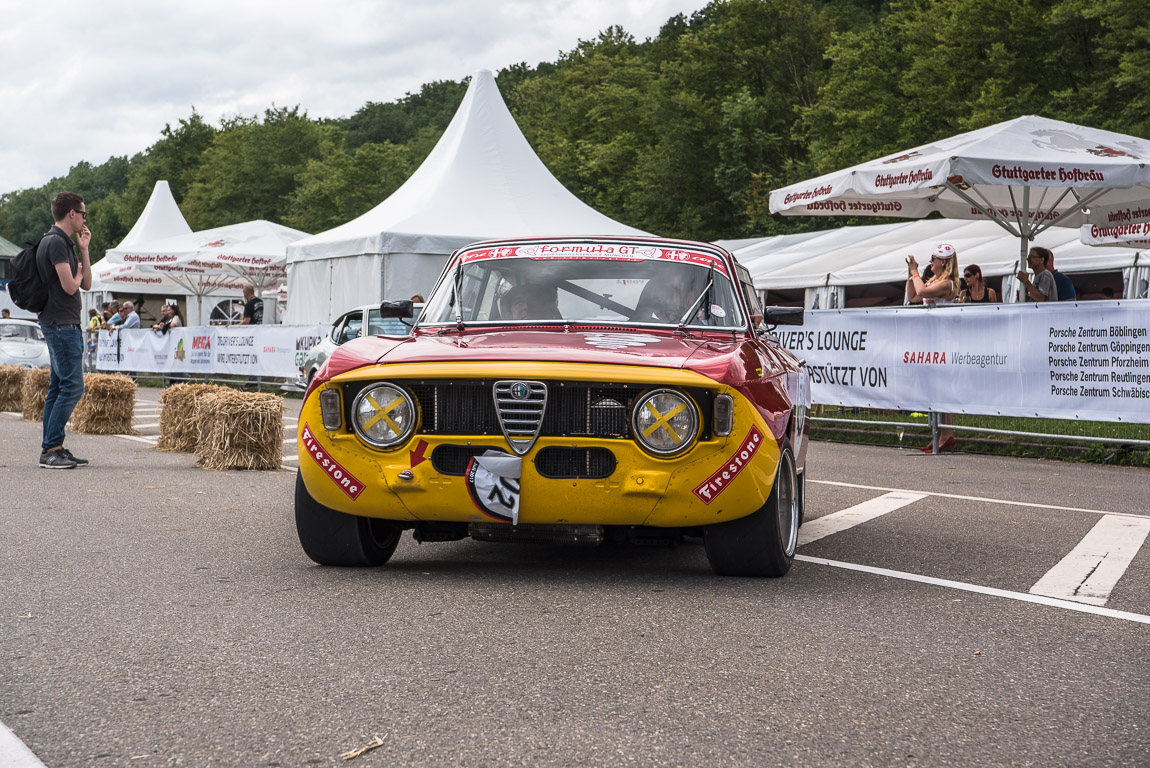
{"x": 83, "y": 214}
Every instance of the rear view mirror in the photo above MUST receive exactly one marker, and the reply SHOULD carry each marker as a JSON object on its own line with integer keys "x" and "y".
{"x": 398, "y": 309}
{"x": 784, "y": 316}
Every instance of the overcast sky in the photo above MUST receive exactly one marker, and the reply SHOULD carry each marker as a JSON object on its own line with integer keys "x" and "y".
{"x": 91, "y": 80}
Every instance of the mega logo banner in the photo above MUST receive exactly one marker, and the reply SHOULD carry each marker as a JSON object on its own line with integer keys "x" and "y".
{"x": 1068, "y": 360}
{"x": 261, "y": 350}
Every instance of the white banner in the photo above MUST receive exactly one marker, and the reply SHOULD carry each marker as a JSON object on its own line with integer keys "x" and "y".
{"x": 243, "y": 350}
{"x": 1062, "y": 360}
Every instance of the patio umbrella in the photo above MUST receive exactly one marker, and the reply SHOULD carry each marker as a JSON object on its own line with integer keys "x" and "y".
{"x": 1025, "y": 175}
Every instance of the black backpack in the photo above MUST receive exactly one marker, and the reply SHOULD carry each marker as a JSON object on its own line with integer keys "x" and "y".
{"x": 28, "y": 286}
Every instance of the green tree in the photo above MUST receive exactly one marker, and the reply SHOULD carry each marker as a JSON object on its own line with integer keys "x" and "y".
{"x": 175, "y": 158}
{"x": 340, "y": 185}
{"x": 250, "y": 170}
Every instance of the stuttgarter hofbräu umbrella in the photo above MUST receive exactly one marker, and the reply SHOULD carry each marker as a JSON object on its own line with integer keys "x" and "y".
{"x": 1026, "y": 175}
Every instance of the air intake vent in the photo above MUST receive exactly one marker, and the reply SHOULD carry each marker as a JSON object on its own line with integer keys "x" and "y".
{"x": 520, "y": 406}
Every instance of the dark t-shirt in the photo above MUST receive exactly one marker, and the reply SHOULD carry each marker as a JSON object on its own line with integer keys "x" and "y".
{"x": 1066, "y": 290}
{"x": 62, "y": 308}
{"x": 254, "y": 311}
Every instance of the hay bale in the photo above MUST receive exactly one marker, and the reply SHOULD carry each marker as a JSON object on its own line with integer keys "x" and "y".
{"x": 12, "y": 387}
{"x": 178, "y": 403}
{"x": 107, "y": 405}
{"x": 240, "y": 430}
{"x": 36, "y": 382}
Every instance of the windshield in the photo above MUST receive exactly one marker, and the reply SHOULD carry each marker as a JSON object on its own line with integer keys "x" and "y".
{"x": 586, "y": 290}
{"x": 20, "y": 331}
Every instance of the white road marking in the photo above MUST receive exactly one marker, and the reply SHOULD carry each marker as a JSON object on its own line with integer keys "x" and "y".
{"x": 980, "y": 498}
{"x": 815, "y": 529}
{"x": 1092, "y": 569}
{"x": 291, "y": 457}
{"x": 14, "y": 753}
{"x": 146, "y": 426}
{"x": 290, "y": 440}
{"x": 1020, "y": 596}
{"x": 139, "y": 439}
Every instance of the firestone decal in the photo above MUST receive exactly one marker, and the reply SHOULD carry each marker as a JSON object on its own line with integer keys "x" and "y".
{"x": 709, "y": 489}
{"x": 343, "y": 479}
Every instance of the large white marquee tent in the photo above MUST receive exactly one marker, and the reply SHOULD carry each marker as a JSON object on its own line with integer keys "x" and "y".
{"x": 824, "y": 264}
{"x": 481, "y": 181}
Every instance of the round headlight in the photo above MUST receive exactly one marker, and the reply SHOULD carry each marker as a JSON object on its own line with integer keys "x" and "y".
{"x": 383, "y": 415}
{"x": 665, "y": 422}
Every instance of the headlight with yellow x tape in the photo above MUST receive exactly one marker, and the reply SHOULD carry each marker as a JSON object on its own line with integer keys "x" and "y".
{"x": 383, "y": 415}
{"x": 665, "y": 422}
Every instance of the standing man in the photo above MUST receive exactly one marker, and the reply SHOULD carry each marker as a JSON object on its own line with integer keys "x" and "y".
{"x": 253, "y": 315}
{"x": 253, "y": 306}
{"x": 60, "y": 322}
{"x": 1042, "y": 288}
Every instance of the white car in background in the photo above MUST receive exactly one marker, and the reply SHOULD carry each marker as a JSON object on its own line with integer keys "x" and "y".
{"x": 351, "y": 325}
{"x": 22, "y": 343}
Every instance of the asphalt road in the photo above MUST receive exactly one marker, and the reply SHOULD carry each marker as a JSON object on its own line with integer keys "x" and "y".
{"x": 152, "y": 614}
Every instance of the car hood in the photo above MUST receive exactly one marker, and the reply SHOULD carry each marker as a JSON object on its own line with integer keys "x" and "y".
{"x": 708, "y": 355}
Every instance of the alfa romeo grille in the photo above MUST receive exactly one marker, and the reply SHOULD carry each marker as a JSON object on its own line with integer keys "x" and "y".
{"x": 520, "y": 406}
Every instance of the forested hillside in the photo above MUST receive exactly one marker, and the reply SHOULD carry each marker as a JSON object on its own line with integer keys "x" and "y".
{"x": 683, "y": 134}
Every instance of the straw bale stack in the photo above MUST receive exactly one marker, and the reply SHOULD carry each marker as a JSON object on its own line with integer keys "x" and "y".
{"x": 35, "y": 393}
{"x": 12, "y": 387}
{"x": 107, "y": 405}
{"x": 178, "y": 404}
{"x": 240, "y": 430}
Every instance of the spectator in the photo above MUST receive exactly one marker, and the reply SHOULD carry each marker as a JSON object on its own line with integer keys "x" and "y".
{"x": 1042, "y": 287}
{"x": 253, "y": 306}
{"x": 115, "y": 318}
{"x": 975, "y": 290}
{"x": 92, "y": 339}
{"x": 417, "y": 298}
{"x": 169, "y": 318}
{"x": 1066, "y": 291}
{"x": 5, "y": 314}
{"x": 942, "y": 286}
{"x": 131, "y": 319}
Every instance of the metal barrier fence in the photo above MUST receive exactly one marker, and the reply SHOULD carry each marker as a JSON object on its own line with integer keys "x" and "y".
{"x": 891, "y": 427}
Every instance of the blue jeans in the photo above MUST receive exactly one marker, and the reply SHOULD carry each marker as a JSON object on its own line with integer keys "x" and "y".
{"x": 66, "y": 384}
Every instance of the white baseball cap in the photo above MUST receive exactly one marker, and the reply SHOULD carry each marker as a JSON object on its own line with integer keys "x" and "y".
{"x": 944, "y": 251}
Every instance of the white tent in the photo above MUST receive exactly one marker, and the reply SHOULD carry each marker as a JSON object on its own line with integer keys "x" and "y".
{"x": 1026, "y": 175}
{"x": 207, "y": 262}
{"x": 161, "y": 218}
{"x": 481, "y": 181}
{"x": 866, "y": 255}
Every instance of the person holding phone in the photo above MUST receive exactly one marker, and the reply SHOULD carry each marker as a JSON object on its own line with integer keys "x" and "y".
{"x": 61, "y": 321}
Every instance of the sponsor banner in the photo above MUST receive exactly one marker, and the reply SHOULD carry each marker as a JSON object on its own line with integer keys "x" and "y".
{"x": 260, "y": 350}
{"x": 1067, "y": 360}
{"x": 709, "y": 489}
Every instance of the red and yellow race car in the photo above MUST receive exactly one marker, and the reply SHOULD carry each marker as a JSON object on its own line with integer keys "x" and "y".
{"x": 564, "y": 389}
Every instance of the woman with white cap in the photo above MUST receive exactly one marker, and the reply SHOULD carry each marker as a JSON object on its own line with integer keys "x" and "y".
{"x": 942, "y": 286}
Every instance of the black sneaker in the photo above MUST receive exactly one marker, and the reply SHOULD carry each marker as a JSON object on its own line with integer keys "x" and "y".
{"x": 56, "y": 460}
{"x": 79, "y": 462}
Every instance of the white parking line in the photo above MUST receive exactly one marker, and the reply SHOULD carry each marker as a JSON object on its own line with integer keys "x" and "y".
{"x": 1092, "y": 569}
{"x": 146, "y": 426}
{"x": 1020, "y": 596}
{"x": 14, "y": 753}
{"x": 815, "y": 529}
{"x": 981, "y": 499}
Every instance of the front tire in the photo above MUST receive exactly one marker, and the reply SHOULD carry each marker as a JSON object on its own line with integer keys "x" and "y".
{"x": 764, "y": 542}
{"x": 330, "y": 537}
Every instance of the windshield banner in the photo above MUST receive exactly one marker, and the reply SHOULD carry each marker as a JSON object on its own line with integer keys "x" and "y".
{"x": 1065, "y": 360}
{"x": 251, "y": 350}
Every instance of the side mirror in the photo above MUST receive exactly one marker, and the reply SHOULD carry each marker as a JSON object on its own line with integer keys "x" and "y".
{"x": 398, "y": 309}
{"x": 784, "y": 316}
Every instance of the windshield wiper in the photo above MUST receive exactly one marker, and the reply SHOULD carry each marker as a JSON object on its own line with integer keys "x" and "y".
{"x": 704, "y": 298}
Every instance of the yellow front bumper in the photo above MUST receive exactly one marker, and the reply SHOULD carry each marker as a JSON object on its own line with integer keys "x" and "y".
{"x": 714, "y": 481}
